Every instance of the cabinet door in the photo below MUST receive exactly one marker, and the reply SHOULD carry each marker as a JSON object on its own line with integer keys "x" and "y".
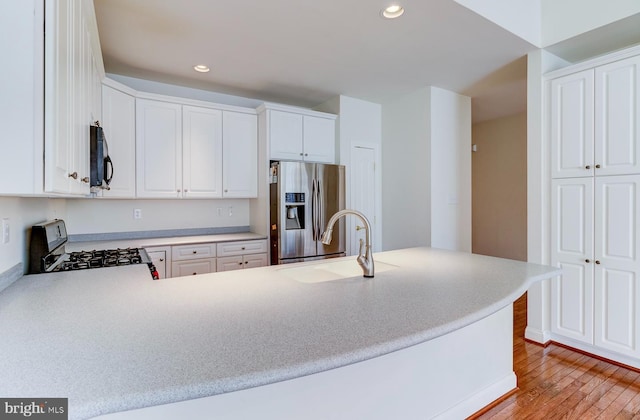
{"x": 202, "y": 152}
{"x": 161, "y": 258}
{"x": 193, "y": 267}
{"x": 118, "y": 121}
{"x": 617, "y": 118}
{"x": 240, "y": 155}
{"x": 230, "y": 263}
{"x": 572, "y": 125}
{"x": 617, "y": 265}
{"x": 571, "y": 248}
{"x": 285, "y": 135}
{"x": 58, "y": 101}
{"x": 255, "y": 260}
{"x": 319, "y": 139}
{"x": 158, "y": 149}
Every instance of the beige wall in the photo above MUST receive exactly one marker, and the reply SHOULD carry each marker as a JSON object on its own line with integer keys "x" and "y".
{"x": 499, "y": 187}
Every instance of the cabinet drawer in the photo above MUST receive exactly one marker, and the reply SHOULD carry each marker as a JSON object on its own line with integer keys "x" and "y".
{"x": 226, "y": 249}
{"x": 193, "y": 252}
{"x": 193, "y": 267}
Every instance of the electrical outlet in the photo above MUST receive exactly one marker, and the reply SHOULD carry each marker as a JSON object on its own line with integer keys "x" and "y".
{"x": 137, "y": 213}
{"x": 6, "y": 231}
{"x": 230, "y": 211}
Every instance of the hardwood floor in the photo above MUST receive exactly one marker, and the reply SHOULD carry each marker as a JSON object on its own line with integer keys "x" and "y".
{"x": 558, "y": 383}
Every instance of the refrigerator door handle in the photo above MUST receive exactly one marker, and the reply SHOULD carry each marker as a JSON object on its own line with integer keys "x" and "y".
{"x": 314, "y": 209}
{"x": 320, "y": 211}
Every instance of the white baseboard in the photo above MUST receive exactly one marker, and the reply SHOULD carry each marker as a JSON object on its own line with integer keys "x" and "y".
{"x": 536, "y": 335}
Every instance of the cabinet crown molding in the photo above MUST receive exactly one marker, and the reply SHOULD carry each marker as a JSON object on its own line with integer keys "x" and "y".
{"x": 594, "y": 62}
{"x": 294, "y": 109}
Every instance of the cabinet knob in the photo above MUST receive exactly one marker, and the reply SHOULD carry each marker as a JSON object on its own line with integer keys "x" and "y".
{"x": 195, "y": 274}
{"x": 240, "y": 263}
{"x": 301, "y": 154}
{"x": 195, "y": 252}
{"x": 186, "y": 190}
{"x": 243, "y": 248}
{"x": 597, "y": 261}
{"x": 587, "y": 167}
{"x": 178, "y": 190}
{"x": 73, "y": 175}
{"x": 245, "y": 262}
{"x": 161, "y": 259}
{"x": 85, "y": 179}
{"x": 226, "y": 190}
{"x": 306, "y": 154}
{"x": 587, "y": 260}
{"x": 598, "y": 166}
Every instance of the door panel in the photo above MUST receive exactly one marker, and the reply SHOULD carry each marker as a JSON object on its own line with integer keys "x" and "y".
{"x": 331, "y": 186}
{"x": 572, "y": 125}
{"x": 617, "y": 112}
{"x": 572, "y": 250}
{"x": 202, "y": 152}
{"x": 363, "y": 194}
{"x": 617, "y": 242}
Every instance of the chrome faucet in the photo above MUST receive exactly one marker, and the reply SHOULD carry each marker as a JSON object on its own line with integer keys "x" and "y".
{"x": 365, "y": 261}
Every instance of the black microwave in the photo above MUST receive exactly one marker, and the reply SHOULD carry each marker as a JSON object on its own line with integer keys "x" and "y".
{"x": 101, "y": 166}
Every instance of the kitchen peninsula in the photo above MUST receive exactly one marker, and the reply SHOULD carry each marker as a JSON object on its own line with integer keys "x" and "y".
{"x": 429, "y": 336}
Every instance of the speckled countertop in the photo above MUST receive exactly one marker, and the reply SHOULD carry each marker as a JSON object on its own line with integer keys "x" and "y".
{"x": 112, "y": 339}
{"x": 151, "y": 242}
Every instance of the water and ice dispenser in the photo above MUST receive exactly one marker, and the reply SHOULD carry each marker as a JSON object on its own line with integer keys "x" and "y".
{"x": 294, "y": 208}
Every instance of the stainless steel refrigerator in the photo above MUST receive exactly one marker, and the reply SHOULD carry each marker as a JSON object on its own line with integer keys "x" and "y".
{"x": 303, "y": 197}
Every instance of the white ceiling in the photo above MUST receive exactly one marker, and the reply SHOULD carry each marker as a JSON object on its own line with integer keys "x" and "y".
{"x": 305, "y": 52}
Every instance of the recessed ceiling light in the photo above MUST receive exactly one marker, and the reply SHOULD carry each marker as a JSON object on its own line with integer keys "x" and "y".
{"x": 393, "y": 11}
{"x": 201, "y": 68}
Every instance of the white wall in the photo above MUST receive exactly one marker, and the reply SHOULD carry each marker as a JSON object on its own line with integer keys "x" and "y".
{"x": 538, "y": 191}
{"x": 564, "y": 19}
{"x": 359, "y": 123}
{"x": 406, "y": 175}
{"x": 106, "y": 216}
{"x": 450, "y": 138}
{"x": 426, "y": 170}
{"x": 22, "y": 214}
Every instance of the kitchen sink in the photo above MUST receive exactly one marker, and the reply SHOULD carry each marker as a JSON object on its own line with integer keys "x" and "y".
{"x": 330, "y": 271}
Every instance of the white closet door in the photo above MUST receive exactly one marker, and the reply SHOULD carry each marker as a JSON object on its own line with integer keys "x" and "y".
{"x": 617, "y": 263}
{"x": 572, "y": 250}
{"x": 617, "y": 122}
{"x": 572, "y": 125}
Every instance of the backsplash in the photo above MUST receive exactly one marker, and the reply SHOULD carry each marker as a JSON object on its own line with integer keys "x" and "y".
{"x": 107, "y": 216}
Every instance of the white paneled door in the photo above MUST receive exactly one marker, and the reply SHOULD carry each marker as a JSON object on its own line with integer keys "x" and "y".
{"x": 572, "y": 125}
{"x": 572, "y": 250}
{"x": 617, "y": 264}
{"x": 617, "y": 117}
{"x": 363, "y": 194}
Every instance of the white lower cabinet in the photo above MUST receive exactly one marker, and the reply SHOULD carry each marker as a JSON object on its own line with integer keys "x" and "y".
{"x": 161, "y": 258}
{"x": 188, "y": 260}
{"x": 595, "y": 240}
{"x": 193, "y": 267}
{"x": 242, "y": 254}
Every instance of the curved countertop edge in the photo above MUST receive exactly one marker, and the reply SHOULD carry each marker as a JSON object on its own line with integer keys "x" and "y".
{"x": 261, "y": 378}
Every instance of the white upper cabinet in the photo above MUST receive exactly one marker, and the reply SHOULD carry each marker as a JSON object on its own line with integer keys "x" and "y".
{"x": 594, "y": 115}
{"x": 296, "y": 134}
{"x": 21, "y": 87}
{"x": 185, "y": 151}
{"x": 119, "y": 124}
{"x": 572, "y": 125}
{"x": 158, "y": 149}
{"x": 240, "y": 154}
{"x": 319, "y": 136}
{"x": 73, "y": 72}
{"x": 202, "y": 152}
{"x": 285, "y": 134}
{"x": 617, "y": 117}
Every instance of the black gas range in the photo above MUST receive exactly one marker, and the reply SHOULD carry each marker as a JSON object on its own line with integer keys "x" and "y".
{"x": 47, "y": 253}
